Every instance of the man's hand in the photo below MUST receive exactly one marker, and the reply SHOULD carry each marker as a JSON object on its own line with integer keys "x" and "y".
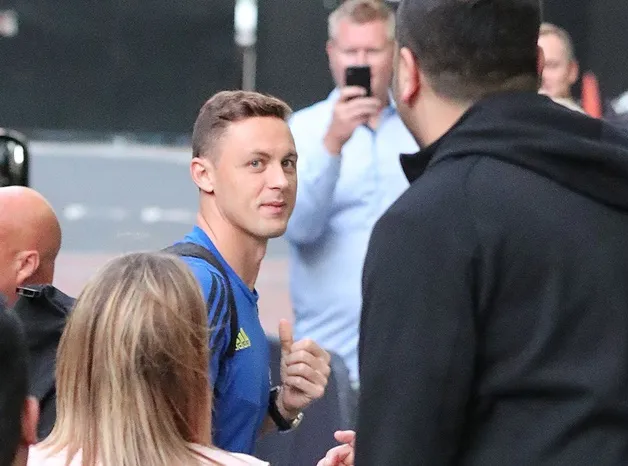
{"x": 351, "y": 110}
{"x": 342, "y": 455}
{"x": 304, "y": 372}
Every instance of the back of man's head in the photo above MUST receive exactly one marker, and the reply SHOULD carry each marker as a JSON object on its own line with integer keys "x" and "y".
{"x": 471, "y": 48}
{"x": 13, "y": 383}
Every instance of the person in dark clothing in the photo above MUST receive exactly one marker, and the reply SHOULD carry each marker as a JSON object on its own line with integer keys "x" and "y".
{"x": 495, "y": 308}
{"x": 18, "y": 411}
{"x": 43, "y": 310}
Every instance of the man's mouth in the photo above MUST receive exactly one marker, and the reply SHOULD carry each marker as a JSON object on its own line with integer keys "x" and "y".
{"x": 274, "y": 208}
{"x": 277, "y": 204}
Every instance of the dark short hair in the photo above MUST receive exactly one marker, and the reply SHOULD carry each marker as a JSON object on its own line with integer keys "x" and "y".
{"x": 228, "y": 107}
{"x": 472, "y": 48}
{"x": 13, "y": 382}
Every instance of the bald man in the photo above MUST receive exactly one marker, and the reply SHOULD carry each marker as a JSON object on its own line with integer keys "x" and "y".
{"x": 30, "y": 236}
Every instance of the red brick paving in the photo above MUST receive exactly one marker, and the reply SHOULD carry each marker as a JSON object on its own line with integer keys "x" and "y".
{"x": 74, "y": 269}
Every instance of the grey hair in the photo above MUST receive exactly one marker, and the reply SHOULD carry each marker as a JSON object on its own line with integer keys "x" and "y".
{"x": 562, "y": 34}
{"x": 361, "y": 12}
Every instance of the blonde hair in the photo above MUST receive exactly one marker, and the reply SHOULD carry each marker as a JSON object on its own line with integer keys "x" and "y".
{"x": 132, "y": 380}
{"x": 562, "y": 34}
{"x": 362, "y": 12}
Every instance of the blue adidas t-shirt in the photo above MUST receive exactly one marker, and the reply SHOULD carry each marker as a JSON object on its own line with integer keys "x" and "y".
{"x": 242, "y": 385}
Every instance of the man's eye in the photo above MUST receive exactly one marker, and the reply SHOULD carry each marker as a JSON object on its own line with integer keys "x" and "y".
{"x": 256, "y": 163}
{"x": 289, "y": 163}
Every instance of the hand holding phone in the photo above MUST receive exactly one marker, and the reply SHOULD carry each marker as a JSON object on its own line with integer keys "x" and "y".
{"x": 359, "y": 76}
{"x": 355, "y": 107}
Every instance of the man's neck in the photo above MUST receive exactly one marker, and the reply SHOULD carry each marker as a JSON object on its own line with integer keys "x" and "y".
{"x": 374, "y": 121}
{"x": 438, "y": 116}
{"x": 242, "y": 252}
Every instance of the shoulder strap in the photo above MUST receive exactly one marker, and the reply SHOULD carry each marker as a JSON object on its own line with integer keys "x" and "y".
{"x": 200, "y": 252}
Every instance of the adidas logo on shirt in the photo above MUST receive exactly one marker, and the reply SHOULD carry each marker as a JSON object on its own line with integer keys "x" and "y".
{"x": 242, "y": 341}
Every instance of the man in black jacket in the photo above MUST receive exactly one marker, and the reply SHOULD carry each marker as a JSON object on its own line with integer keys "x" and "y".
{"x": 495, "y": 318}
{"x": 43, "y": 310}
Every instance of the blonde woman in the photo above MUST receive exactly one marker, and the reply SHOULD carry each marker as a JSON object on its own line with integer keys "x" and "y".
{"x": 132, "y": 384}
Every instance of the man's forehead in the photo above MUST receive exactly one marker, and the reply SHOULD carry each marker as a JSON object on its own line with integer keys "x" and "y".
{"x": 349, "y": 30}
{"x": 275, "y": 147}
{"x": 284, "y": 149}
{"x": 260, "y": 123}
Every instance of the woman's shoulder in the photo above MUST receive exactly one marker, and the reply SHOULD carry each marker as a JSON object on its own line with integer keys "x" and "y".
{"x": 38, "y": 456}
{"x": 41, "y": 457}
{"x": 229, "y": 459}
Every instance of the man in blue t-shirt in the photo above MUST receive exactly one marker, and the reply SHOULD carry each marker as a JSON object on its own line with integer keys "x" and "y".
{"x": 244, "y": 165}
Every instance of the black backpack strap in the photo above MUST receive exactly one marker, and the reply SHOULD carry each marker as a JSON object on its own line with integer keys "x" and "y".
{"x": 200, "y": 252}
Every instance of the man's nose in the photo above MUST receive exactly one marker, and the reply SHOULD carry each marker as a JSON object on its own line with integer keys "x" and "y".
{"x": 277, "y": 177}
{"x": 361, "y": 58}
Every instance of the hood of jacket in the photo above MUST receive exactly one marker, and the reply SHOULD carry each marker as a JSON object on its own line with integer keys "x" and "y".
{"x": 584, "y": 154}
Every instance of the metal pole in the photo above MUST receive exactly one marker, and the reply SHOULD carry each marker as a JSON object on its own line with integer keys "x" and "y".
{"x": 246, "y": 38}
{"x": 249, "y": 67}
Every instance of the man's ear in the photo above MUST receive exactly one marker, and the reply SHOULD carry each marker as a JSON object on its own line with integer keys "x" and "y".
{"x": 332, "y": 56}
{"x": 574, "y": 71}
{"x": 30, "y": 418}
{"x": 28, "y": 263}
{"x": 329, "y": 45}
{"x": 408, "y": 76}
{"x": 203, "y": 173}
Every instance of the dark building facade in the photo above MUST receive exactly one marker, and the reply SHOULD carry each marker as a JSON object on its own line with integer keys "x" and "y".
{"x": 138, "y": 66}
{"x": 115, "y": 65}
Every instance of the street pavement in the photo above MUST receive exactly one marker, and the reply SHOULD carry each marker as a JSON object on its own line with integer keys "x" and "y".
{"x": 117, "y": 198}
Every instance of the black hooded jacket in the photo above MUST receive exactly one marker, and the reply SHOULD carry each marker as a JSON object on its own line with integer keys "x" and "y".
{"x": 495, "y": 296}
{"x": 43, "y": 310}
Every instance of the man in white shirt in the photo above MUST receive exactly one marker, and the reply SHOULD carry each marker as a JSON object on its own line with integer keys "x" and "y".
{"x": 349, "y": 173}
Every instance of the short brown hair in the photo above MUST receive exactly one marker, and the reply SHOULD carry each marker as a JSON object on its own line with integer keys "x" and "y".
{"x": 469, "y": 49}
{"x": 228, "y": 107}
{"x": 362, "y": 12}
{"x": 549, "y": 29}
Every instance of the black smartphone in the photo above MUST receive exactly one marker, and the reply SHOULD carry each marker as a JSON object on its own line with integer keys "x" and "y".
{"x": 359, "y": 76}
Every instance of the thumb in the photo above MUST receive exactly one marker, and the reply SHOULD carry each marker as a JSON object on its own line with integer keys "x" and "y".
{"x": 285, "y": 336}
{"x": 345, "y": 436}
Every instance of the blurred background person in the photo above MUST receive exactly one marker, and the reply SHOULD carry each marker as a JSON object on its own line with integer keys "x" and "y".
{"x": 561, "y": 69}
{"x": 349, "y": 173}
